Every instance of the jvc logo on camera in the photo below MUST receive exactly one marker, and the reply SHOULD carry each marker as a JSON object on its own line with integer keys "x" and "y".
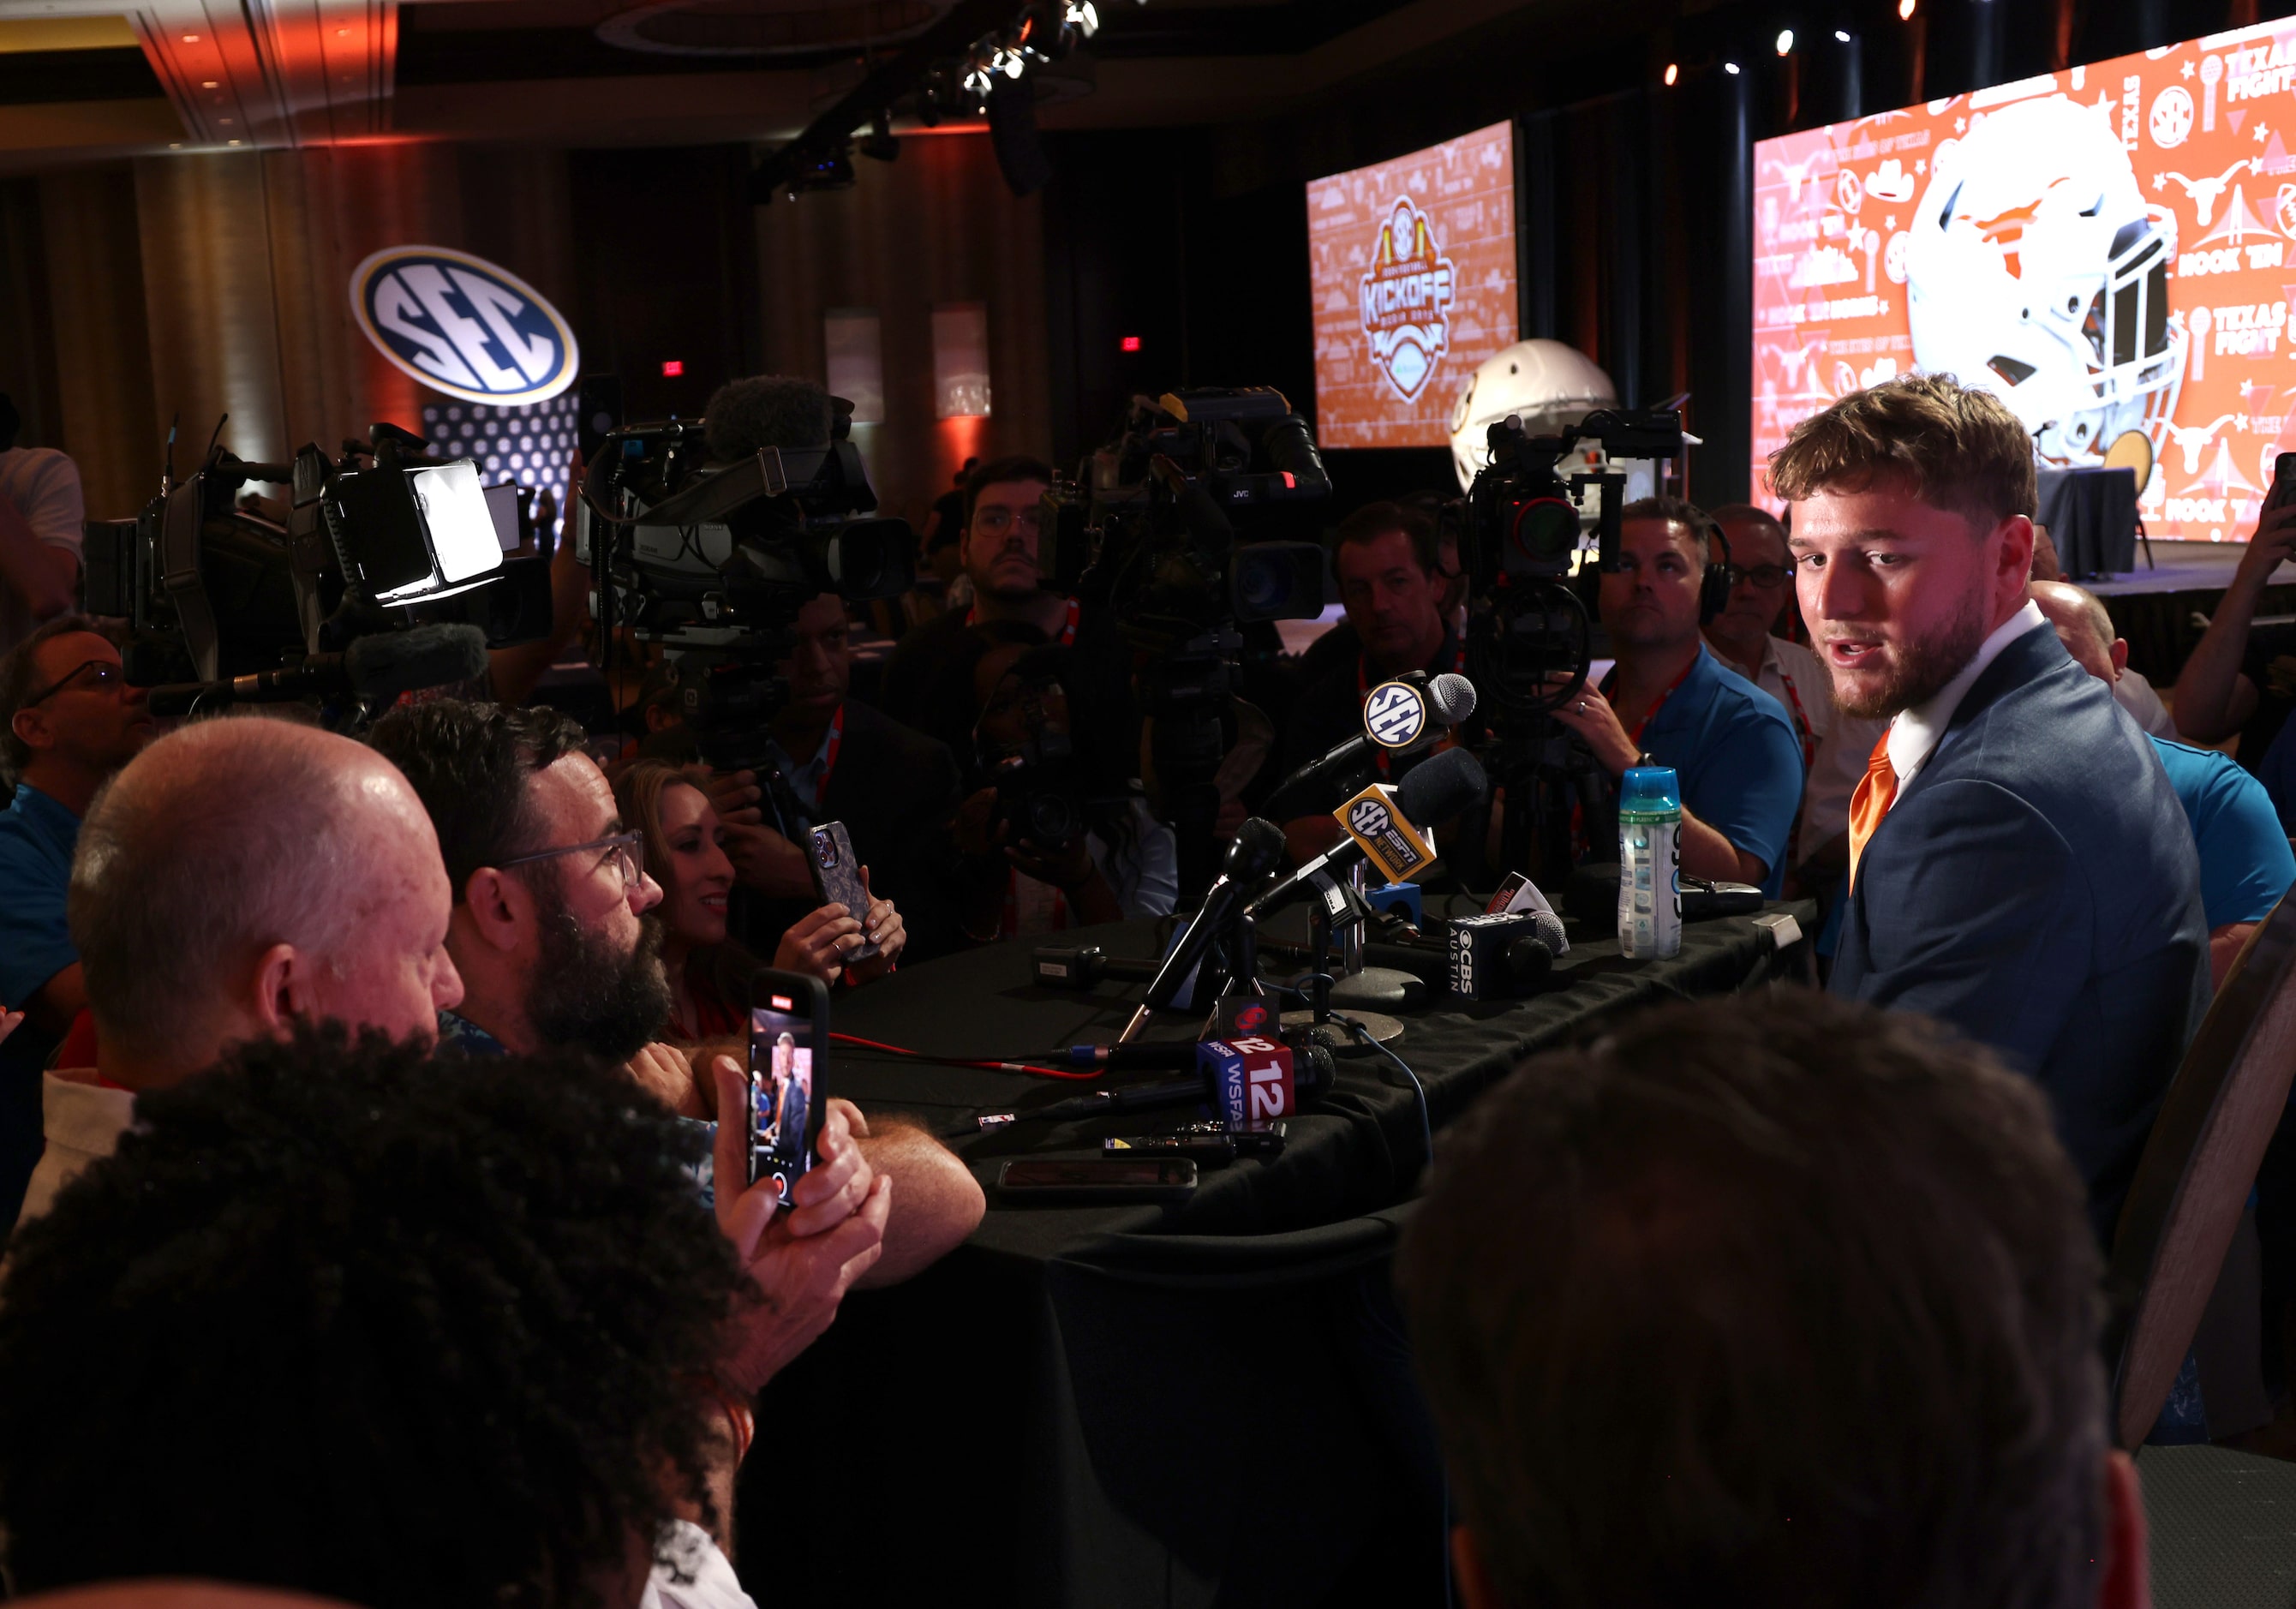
{"x": 462, "y": 325}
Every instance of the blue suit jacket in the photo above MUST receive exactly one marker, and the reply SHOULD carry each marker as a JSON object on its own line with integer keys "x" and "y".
{"x": 2036, "y": 886}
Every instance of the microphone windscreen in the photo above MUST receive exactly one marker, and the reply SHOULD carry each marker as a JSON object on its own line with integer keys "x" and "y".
{"x": 748, "y": 416}
{"x": 1546, "y": 929}
{"x": 387, "y": 663}
{"x": 1441, "y": 786}
{"x": 1453, "y": 697}
{"x": 1257, "y": 850}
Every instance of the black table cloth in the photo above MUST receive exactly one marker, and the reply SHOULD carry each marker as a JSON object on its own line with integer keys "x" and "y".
{"x": 2091, "y": 515}
{"x": 1132, "y": 1404}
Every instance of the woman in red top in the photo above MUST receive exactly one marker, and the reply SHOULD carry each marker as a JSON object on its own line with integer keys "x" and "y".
{"x": 708, "y": 969}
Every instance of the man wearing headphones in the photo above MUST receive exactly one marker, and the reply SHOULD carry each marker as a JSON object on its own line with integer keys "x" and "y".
{"x": 1730, "y": 744}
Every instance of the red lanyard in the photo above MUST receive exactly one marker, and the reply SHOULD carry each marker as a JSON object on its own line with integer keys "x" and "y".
{"x": 828, "y": 759}
{"x": 1067, "y": 639}
{"x": 1636, "y": 736}
{"x": 1801, "y": 722}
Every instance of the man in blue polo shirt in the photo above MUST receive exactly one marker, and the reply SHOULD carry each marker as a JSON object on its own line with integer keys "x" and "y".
{"x": 1731, "y": 743}
{"x": 67, "y": 720}
{"x": 2246, "y": 865}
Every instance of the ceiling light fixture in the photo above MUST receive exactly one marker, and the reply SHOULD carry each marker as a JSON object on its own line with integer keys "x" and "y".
{"x": 1731, "y": 67}
{"x": 1673, "y": 72}
{"x": 1905, "y": 10}
{"x": 1785, "y": 41}
{"x": 1842, "y": 36}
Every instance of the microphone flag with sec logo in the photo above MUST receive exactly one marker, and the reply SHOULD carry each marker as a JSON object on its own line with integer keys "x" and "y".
{"x": 1395, "y": 715}
{"x": 1399, "y": 848}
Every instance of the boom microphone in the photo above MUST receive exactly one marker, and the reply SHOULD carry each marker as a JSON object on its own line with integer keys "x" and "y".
{"x": 1391, "y": 726}
{"x": 1442, "y": 787}
{"x": 379, "y": 666}
{"x": 1257, "y": 850}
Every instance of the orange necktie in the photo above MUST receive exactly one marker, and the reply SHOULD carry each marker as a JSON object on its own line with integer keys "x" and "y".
{"x": 1875, "y": 791}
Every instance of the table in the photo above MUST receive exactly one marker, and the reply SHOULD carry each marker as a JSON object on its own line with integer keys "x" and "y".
{"x": 2091, "y": 515}
{"x": 1131, "y": 1405}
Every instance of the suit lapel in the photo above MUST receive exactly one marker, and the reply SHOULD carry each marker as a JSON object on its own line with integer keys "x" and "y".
{"x": 2025, "y": 659}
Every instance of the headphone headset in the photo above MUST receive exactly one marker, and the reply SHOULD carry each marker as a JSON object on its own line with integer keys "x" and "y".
{"x": 1714, "y": 587}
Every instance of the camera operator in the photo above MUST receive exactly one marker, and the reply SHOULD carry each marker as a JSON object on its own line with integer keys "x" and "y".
{"x": 68, "y": 721}
{"x": 1397, "y": 591}
{"x": 549, "y": 932}
{"x": 40, "y": 516}
{"x": 1003, "y": 523}
{"x": 1044, "y": 754}
{"x": 236, "y": 878}
{"x": 1732, "y": 745}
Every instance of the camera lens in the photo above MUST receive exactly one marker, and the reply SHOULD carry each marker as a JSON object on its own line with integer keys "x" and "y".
{"x": 1547, "y": 528}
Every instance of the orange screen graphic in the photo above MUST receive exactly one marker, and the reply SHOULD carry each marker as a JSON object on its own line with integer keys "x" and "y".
{"x": 1410, "y": 264}
{"x": 2106, "y": 247}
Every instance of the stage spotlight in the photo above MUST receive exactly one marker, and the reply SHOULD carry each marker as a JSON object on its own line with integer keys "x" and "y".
{"x": 1672, "y": 73}
{"x": 1905, "y": 10}
{"x": 1785, "y": 41}
{"x": 1731, "y": 67}
{"x": 1839, "y": 35}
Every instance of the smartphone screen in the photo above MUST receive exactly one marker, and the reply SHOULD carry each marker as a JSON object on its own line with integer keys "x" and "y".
{"x": 789, "y": 1044}
{"x": 837, "y": 879}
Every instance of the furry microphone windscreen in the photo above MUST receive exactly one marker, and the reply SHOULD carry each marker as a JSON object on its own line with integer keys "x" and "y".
{"x": 746, "y": 416}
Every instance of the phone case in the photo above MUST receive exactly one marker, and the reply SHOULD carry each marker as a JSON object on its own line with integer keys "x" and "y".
{"x": 837, "y": 877}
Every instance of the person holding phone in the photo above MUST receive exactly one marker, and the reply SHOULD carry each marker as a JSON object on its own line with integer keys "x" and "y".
{"x": 685, "y": 852}
{"x": 2240, "y": 681}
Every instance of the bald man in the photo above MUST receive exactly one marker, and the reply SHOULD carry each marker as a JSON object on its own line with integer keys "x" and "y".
{"x": 2246, "y": 864}
{"x": 236, "y": 877}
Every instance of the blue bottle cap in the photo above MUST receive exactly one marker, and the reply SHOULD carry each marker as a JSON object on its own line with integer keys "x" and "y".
{"x": 1649, "y": 791}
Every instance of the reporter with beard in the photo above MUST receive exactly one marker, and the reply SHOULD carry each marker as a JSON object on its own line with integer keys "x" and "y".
{"x": 551, "y": 934}
{"x": 2020, "y": 866}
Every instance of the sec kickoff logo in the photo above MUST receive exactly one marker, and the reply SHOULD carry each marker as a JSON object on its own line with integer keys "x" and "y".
{"x": 462, "y": 325}
{"x": 1395, "y": 715}
{"x": 1407, "y": 293}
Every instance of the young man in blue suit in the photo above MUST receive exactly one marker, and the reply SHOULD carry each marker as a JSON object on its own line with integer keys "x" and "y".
{"x": 2020, "y": 865}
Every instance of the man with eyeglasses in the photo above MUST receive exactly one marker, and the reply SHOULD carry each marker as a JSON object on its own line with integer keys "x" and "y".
{"x": 928, "y": 681}
{"x": 1737, "y": 755}
{"x": 551, "y": 937}
{"x": 68, "y": 721}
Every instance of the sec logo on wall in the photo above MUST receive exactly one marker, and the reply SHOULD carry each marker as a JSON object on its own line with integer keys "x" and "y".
{"x": 462, "y": 325}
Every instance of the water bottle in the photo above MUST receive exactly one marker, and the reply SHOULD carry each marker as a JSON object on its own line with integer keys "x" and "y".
{"x": 1650, "y": 855}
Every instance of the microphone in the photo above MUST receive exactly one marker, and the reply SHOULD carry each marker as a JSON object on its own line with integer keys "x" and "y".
{"x": 1257, "y": 850}
{"x": 1251, "y": 1080}
{"x": 1399, "y": 718}
{"x": 380, "y": 666}
{"x": 1499, "y": 956}
{"x": 1383, "y": 826}
{"x": 1079, "y": 967}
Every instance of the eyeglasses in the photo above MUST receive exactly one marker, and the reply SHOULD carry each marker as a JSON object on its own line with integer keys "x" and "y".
{"x": 1769, "y": 578}
{"x": 626, "y": 850}
{"x": 994, "y": 519}
{"x": 108, "y": 674}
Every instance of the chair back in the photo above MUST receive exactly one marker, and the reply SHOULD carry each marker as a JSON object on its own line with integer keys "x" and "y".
{"x": 2132, "y": 449}
{"x": 2199, "y": 1163}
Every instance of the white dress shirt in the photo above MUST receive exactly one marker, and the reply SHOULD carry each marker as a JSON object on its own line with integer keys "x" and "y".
{"x": 45, "y": 486}
{"x": 2137, "y": 696}
{"x": 1916, "y": 733}
{"x": 83, "y": 1121}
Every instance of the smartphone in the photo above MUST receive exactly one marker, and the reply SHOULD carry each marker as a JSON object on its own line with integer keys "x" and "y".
{"x": 1092, "y": 1180}
{"x": 837, "y": 878}
{"x": 789, "y": 1051}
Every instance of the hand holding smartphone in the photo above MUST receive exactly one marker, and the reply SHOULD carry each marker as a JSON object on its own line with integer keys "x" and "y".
{"x": 788, "y": 1046}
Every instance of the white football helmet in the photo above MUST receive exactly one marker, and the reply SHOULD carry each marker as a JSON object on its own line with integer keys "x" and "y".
{"x": 2037, "y": 272}
{"x": 1550, "y": 386}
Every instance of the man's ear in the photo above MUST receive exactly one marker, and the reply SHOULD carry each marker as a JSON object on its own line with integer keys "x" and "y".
{"x": 2017, "y": 546}
{"x": 501, "y": 908}
{"x": 281, "y": 990}
{"x": 1469, "y": 1574}
{"x": 31, "y": 728}
{"x": 2127, "y": 1580}
{"x": 2120, "y": 654}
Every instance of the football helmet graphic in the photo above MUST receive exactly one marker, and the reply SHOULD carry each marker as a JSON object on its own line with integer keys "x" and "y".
{"x": 1549, "y": 386}
{"x": 2034, "y": 270}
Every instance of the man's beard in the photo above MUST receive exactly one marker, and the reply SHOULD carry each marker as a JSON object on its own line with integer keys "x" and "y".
{"x": 1923, "y": 667}
{"x": 586, "y": 996}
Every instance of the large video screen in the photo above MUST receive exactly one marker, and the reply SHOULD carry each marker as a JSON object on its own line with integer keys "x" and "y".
{"x": 1410, "y": 264}
{"x": 2106, "y": 247}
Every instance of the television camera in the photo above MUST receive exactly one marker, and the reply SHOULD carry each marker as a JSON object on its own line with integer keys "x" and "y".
{"x": 1523, "y": 527}
{"x": 392, "y": 572}
{"x": 714, "y": 560}
{"x": 1147, "y": 543}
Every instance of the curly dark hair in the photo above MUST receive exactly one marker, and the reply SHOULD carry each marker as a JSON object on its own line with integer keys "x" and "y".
{"x": 470, "y": 764}
{"x": 361, "y": 1321}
